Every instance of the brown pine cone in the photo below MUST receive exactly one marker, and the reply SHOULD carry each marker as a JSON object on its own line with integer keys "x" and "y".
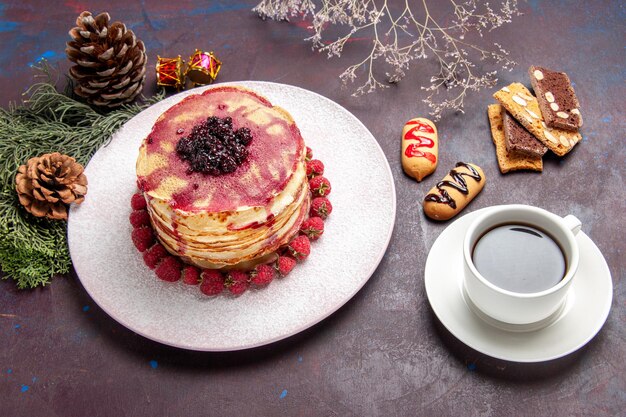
{"x": 48, "y": 183}
{"x": 110, "y": 61}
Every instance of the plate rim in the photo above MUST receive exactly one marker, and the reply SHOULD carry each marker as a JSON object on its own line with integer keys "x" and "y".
{"x": 172, "y": 100}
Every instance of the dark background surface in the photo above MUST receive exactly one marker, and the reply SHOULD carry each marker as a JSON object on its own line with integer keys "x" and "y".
{"x": 383, "y": 353}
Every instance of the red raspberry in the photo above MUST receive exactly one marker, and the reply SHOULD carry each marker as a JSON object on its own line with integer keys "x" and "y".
{"x": 300, "y": 247}
{"x": 169, "y": 269}
{"x": 309, "y": 154}
{"x": 262, "y": 275}
{"x": 320, "y": 186}
{"x": 137, "y": 202}
{"x": 313, "y": 227}
{"x": 139, "y": 218}
{"x": 284, "y": 265}
{"x": 191, "y": 275}
{"x": 143, "y": 238}
{"x": 236, "y": 282}
{"x": 321, "y": 207}
{"x": 212, "y": 282}
{"x": 314, "y": 168}
{"x": 153, "y": 256}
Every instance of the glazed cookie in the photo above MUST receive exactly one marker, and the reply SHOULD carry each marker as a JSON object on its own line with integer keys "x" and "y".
{"x": 509, "y": 161}
{"x": 522, "y": 105}
{"x": 446, "y": 199}
{"x": 420, "y": 148}
{"x": 557, "y": 99}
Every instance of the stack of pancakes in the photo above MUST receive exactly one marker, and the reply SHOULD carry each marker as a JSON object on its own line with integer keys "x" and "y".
{"x": 234, "y": 220}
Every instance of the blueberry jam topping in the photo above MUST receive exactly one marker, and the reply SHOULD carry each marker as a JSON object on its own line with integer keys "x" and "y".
{"x": 213, "y": 147}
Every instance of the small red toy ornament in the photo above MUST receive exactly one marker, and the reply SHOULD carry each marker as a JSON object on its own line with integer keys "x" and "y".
{"x": 169, "y": 72}
{"x": 203, "y": 68}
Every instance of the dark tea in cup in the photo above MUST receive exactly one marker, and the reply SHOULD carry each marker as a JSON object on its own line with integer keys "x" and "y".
{"x": 519, "y": 258}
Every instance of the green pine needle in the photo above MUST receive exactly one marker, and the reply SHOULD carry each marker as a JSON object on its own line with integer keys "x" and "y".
{"x": 33, "y": 250}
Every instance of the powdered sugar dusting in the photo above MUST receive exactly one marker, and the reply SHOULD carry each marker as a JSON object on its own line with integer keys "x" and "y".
{"x": 355, "y": 239}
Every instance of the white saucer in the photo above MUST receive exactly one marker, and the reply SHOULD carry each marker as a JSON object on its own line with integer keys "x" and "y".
{"x": 586, "y": 309}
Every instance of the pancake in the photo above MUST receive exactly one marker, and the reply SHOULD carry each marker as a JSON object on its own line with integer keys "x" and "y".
{"x": 233, "y": 220}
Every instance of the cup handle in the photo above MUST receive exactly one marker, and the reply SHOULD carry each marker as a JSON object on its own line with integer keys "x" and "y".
{"x": 572, "y": 223}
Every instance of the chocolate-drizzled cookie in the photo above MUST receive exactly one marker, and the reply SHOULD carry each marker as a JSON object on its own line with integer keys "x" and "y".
{"x": 450, "y": 195}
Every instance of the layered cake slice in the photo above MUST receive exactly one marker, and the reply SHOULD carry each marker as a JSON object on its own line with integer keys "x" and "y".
{"x": 520, "y": 140}
{"x": 556, "y": 97}
{"x": 224, "y": 177}
{"x": 522, "y": 105}
{"x": 509, "y": 161}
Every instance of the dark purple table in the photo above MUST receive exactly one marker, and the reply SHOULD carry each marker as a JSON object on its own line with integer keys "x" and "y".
{"x": 383, "y": 353}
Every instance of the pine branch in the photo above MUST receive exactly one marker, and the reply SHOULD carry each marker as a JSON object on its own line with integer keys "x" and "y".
{"x": 33, "y": 250}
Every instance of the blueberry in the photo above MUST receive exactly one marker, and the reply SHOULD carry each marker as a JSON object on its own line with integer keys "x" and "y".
{"x": 213, "y": 147}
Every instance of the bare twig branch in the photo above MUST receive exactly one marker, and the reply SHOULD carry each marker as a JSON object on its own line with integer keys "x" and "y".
{"x": 400, "y": 39}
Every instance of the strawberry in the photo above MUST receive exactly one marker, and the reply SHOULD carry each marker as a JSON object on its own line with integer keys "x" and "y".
{"x": 169, "y": 269}
{"x": 300, "y": 247}
{"x": 314, "y": 168}
{"x": 137, "y": 202}
{"x": 321, "y": 207}
{"x": 313, "y": 227}
{"x": 284, "y": 265}
{"x": 212, "y": 282}
{"x": 320, "y": 186}
{"x": 153, "y": 256}
{"x": 143, "y": 238}
{"x": 191, "y": 275}
{"x": 139, "y": 218}
{"x": 309, "y": 154}
{"x": 236, "y": 282}
{"x": 262, "y": 275}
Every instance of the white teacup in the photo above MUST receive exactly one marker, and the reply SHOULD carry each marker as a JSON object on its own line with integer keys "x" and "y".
{"x": 508, "y": 307}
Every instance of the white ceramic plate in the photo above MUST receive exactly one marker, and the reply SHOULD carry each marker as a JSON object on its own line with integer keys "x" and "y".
{"x": 586, "y": 309}
{"x": 356, "y": 237}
